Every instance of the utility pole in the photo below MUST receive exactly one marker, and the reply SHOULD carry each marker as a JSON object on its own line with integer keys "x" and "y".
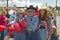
{"x": 56, "y": 4}
{"x": 8, "y": 16}
{"x": 7, "y": 3}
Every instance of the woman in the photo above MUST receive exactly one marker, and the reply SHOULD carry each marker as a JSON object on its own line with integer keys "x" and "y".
{"x": 32, "y": 20}
{"x": 50, "y": 24}
{"x": 55, "y": 16}
{"x": 3, "y": 21}
{"x": 43, "y": 26}
{"x": 20, "y": 26}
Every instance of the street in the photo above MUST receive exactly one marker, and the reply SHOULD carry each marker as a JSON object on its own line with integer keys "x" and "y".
{"x": 58, "y": 26}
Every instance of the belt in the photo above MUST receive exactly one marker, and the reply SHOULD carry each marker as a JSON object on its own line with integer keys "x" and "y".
{"x": 42, "y": 27}
{"x": 33, "y": 31}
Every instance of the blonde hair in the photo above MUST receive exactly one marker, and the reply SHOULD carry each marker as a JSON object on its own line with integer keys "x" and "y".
{"x": 3, "y": 12}
{"x": 0, "y": 10}
{"x": 21, "y": 11}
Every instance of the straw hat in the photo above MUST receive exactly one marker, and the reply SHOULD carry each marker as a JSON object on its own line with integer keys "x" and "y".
{"x": 48, "y": 8}
{"x": 21, "y": 11}
{"x": 43, "y": 6}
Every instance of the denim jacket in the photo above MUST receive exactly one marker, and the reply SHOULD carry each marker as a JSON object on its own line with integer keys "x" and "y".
{"x": 32, "y": 25}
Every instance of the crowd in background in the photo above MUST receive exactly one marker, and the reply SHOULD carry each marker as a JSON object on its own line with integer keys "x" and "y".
{"x": 31, "y": 23}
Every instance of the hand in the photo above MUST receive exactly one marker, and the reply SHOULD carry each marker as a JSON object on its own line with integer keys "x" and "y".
{"x": 49, "y": 38}
{"x": 39, "y": 26}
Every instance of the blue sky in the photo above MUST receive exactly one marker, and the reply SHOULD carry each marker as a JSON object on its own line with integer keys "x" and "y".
{"x": 48, "y": 2}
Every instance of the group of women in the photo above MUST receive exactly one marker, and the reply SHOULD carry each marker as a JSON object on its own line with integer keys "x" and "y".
{"x": 26, "y": 25}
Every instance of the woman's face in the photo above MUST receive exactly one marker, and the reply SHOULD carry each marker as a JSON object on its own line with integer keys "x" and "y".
{"x": 42, "y": 12}
{"x": 31, "y": 12}
{"x": 21, "y": 15}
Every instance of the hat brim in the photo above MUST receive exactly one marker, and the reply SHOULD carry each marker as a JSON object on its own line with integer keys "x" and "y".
{"x": 31, "y": 8}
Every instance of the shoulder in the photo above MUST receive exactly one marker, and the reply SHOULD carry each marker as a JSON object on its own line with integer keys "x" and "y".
{"x": 36, "y": 17}
{"x": 26, "y": 16}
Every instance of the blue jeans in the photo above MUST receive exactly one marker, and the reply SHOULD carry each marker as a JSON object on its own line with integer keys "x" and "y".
{"x": 1, "y": 35}
{"x": 19, "y": 36}
{"x": 53, "y": 37}
{"x": 42, "y": 34}
{"x": 32, "y": 35}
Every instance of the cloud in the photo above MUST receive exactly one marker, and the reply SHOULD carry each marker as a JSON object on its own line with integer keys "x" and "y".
{"x": 2, "y": 4}
{"x": 20, "y": 3}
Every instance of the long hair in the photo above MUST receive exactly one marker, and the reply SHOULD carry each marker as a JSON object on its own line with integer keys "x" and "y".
{"x": 45, "y": 16}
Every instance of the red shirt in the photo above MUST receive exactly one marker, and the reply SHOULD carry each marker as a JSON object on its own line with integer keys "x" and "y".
{"x": 20, "y": 27}
{"x": 3, "y": 20}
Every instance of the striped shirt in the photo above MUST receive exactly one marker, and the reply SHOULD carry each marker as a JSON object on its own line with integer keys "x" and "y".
{"x": 43, "y": 23}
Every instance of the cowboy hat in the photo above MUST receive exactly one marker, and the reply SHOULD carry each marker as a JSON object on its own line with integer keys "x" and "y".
{"x": 31, "y": 7}
{"x": 43, "y": 6}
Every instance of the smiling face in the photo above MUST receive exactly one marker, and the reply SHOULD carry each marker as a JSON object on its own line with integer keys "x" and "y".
{"x": 21, "y": 13}
{"x": 31, "y": 12}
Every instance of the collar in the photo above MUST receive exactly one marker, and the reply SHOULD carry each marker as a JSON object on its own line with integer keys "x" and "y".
{"x": 20, "y": 20}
